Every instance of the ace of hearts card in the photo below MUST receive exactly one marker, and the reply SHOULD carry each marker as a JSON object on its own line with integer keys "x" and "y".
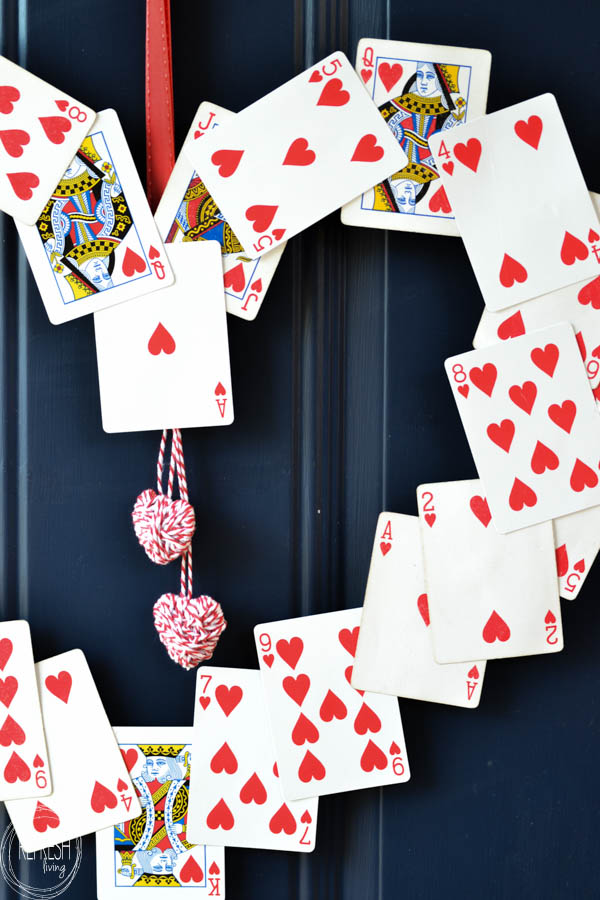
{"x": 520, "y": 201}
{"x": 236, "y": 796}
{"x": 95, "y": 242}
{"x": 532, "y": 425}
{"x": 394, "y": 653}
{"x": 491, "y": 595}
{"x": 40, "y": 130}
{"x": 152, "y": 852}
{"x": 91, "y": 787}
{"x": 328, "y": 736}
{"x": 419, "y": 89}
{"x": 296, "y": 155}
{"x": 187, "y": 212}
{"x": 163, "y": 360}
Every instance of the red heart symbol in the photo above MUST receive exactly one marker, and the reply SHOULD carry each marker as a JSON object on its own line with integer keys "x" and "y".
{"x": 214, "y": 869}
{"x": 373, "y": 758}
{"x": 366, "y": 720}
{"x": 463, "y": 389}
{"x": 448, "y": 167}
{"x": 582, "y": 476}
{"x": 332, "y": 708}
{"x": 495, "y": 629}
{"x": 132, "y": 263}
{"x": 562, "y": 560}
{"x": 348, "y": 676}
{"x": 262, "y": 216}
{"x": 220, "y": 816}
{"x": 8, "y": 689}
{"x": 228, "y": 697}
{"x": 8, "y": 96}
{"x": 44, "y": 818}
{"x": 253, "y": 791}
{"x": 224, "y": 760}
{"x": 55, "y": 127}
{"x": 278, "y": 233}
{"x": 549, "y": 618}
{"x": 511, "y": 327}
{"x": 469, "y": 154}
{"x": 596, "y": 352}
{"x": 306, "y": 817}
{"x": 38, "y": 762}
{"x": 122, "y": 785}
{"x": 316, "y": 76}
{"x": 268, "y": 659}
{"x": 129, "y": 757}
{"x": 543, "y": 458}
{"x": 480, "y": 509}
{"x": 385, "y": 547}
{"x": 521, "y": 495}
{"x": 484, "y": 378}
{"x": 226, "y": 161}
{"x": 63, "y": 105}
{"x": 563, "y": 414}
{"x": 235, "y": 278}
{"x": 394, "y": 749}
{"x": 275, "y": 770}
{"x": 299, "y": 154}
{"x": 545, "y": 358}
{"x": 590, "y": 293}
{"x": 523, "y": 395}
{"x": 511, "y": 271}
{"x": 367, "y": 150}
{"x": 365, "y": 74}
{"x": 333, "y": 94}
{"x": 290, "y": 651}
{"x": 204, "y": 702}
{"x": 390, "y": 74}
{"x": 593, "y": 236}
{"x": 102, "y": 798}
{"x": 220, "y": 391}
{"x": 530, "y": 131}
{"x": 257, "y": 285}
{"x": 310, "y": 768}
{"x": 348, "y": 639}
{"x": 423, "y": 607}
{"x": 161, "y": 341}
{"x": 16, "y": 769}
{"x": 153, "y": 252}
{"x": 296, "y": 688}
{"x": 439, "y": 202}
{"x": 572, "y": 249}
{"x": 473, "y": 673}
{"x": 430, "y": 519}
{"x": 502, "y": 435}
{"x": 6, "y": 649}
{"x": 580, "y": 566}
{"x": 23, "y": 183}
{"x": 304, "y": 731}
{"x": 60, "y": 685}
{"x": 282, "y": 820}
{"x": 14, "y": 140}
{"x": 191, "y": 871}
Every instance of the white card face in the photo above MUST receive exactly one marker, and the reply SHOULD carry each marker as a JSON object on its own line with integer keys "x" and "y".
{"x": 95, "y": 243}
{"x": 24, "y": 770}
{"x": 577, "y": 540}
{"x": 394, "y": 653}
{"x": 490, "y": 595}
{"x": 328, "y": 736}
{"x": 296, "y": 155}
{"x": 91, "y": 788}
{"x": 532, "y": 425}
{"x": 40, "y": 130}
{"x": 153, "y": 851}
{"x": 520, "y": 249}
{"x": 419, "y": 89}
{"x": 236, "y": 796}
{"x": 187, "y": 212}
{"x": 163, "y": 360}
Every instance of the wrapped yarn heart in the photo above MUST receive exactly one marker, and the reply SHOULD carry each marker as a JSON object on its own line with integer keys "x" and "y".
{"x": 189, "y": 627}
{"x": 163, "y": 526}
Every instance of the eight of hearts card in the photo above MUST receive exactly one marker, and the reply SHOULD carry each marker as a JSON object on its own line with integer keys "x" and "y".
{"x": 91, "y": 788}
{"x": 490, "y": 595}
{"x": 328, "y": 736}
{"x": 236, "y": 796}
{"x": 394, "y": 653}
{"x": 163, "y": 360}
{"x": 95, "y": 242}
{"x": 520, "y": 201}
{"x": 23, "y": 756}
{"x": 40, "y": 130}
{"x": 187, "y": 212}
{"x": 296, "y": 155}
{"x": 419, "y": 89}
{"x": 152, "y": 851}
{"x": 532, "y": 425}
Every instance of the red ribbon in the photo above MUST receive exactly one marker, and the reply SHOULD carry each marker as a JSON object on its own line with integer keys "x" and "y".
{"x": 160, "y": 135}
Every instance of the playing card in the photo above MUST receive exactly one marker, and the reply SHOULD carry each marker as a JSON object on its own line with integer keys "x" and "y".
{"x": 490, "y": 595}
{"x": 187, "y": 212}
{"x": 91, "y": 788}
{"x": 520, "y": 202}
{"x": 40, "y": 130}
{"x": 296, "y": 155}
{"x": 152, "y": 851}
{"x": 23, "y": 756}
{"x": 532, "y": 425}
{"x": 577, "y": 542}
{"x": 394, "y": 653}
{"x": 328, "y": 736}
{"x": 236, "y": 797}
{"x": 419, "y": 89}
{"x": 95, "y": 243}
{"x": 163, "y": 360}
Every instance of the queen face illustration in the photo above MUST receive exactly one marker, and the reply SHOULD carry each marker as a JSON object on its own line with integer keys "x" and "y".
{"x": 426, "y": 82}
{"x": 406, "y": 195}
{"x": 96, "y": 272}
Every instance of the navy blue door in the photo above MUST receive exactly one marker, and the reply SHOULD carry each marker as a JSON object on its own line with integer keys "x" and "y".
{"x": 342, "y": 408}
